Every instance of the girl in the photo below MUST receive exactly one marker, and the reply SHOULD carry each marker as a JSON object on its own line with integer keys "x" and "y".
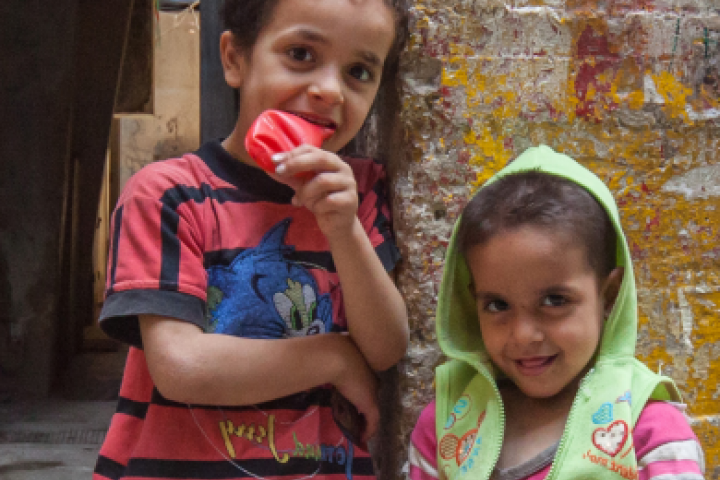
{"x": 250, "y": 299}
{"x": 538, "y": 314}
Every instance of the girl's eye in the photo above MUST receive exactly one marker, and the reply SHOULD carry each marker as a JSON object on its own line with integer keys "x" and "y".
{"x": 360, "y": 73}
{"x": 300, "y": 54}
{"x": 554, "y": 301}
{"x": 496, "y": 306}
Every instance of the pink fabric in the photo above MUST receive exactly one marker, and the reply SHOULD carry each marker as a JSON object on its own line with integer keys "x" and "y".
{"x": 417, "y": 474}
{"x": 659, "y": 424}
{"x": 540, "y": 475}
{"x": 423, "y": 436}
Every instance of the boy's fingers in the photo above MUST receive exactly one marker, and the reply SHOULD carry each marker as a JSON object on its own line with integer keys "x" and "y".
{"x": 308, "y": 159}
{"x": 324, "y": 186}
{"x": 372, "y": 420}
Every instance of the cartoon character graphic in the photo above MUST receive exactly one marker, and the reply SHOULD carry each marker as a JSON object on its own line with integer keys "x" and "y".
{"x": 262, "y": 294}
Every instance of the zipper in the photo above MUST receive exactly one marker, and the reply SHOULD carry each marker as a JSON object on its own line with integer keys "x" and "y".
{"x": 568, "y": 423}
{"x": 498, "y": 443}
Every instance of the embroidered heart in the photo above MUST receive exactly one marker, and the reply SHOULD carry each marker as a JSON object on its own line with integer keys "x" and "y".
{"x": 604, "y": 414}
{"x": 611, "y": 439}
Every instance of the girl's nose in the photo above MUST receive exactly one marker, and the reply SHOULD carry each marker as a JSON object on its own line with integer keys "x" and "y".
{"x": 526, "y": 330}
{"x": 327, "y": 86}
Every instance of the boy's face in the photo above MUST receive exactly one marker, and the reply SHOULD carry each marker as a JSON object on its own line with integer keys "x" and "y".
{"x": 320, "y": 59}
{"x": 540, "y": 309}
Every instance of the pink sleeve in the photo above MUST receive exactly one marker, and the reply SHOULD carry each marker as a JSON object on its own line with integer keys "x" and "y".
{"x": 665, "y": 445}
{"x": 423, "y": 446}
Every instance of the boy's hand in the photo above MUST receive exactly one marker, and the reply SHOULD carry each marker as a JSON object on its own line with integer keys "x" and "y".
{"x": 359, "y": 385}
{"x": 323, "y": 183}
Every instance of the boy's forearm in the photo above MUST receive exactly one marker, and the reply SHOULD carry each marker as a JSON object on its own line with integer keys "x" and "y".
{"x": 376, "y": 313}
{"x": 190, "y": 366}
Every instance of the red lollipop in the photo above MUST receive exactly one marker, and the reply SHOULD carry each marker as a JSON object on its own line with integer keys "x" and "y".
{"x": 275, "y": 132}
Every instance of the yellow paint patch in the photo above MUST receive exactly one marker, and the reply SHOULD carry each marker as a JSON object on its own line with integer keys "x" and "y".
{"x": 674, "y": 93}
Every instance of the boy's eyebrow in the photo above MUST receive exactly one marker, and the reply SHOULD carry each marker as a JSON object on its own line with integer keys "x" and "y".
{"x": 371, "y": 58}
{"x": 313, "y": 36}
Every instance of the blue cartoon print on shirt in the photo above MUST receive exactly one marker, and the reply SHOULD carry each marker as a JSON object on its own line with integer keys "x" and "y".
{"x": 262, "y": 294}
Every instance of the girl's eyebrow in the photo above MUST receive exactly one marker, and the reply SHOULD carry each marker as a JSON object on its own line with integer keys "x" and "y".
{"x": 313, "y": 36}
{"x": 483, "y": 294}
{"x": 556, "y": 289}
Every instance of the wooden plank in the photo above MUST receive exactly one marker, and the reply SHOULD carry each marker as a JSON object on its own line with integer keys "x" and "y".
{"x": 218, "y": 102}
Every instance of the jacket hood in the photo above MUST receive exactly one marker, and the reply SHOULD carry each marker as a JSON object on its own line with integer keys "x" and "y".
{"x": 457, "y": 324}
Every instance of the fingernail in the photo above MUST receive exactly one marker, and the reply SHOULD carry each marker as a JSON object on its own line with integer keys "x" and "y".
{"x": 278, "y": 157}
{"x": 280, "y": 169}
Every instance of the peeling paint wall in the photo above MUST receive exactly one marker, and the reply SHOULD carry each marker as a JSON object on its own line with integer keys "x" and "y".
{"x": 631, "y": 89}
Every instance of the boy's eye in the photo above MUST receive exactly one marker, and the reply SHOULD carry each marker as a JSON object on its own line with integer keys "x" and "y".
{"x": 495, "y": 306}
{"x": 300, "y": 54}
{"x": 360, "y": 73}
{"x": 554, "y": 301}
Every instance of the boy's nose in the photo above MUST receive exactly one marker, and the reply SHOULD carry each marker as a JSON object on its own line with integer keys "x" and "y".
{"x": 327, "y": 86}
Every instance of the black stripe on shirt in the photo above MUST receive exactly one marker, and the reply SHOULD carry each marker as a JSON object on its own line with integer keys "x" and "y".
{"x": 299, "y": 401}
{"x": 117, "y": 222}
{"x": 171, "y": 200}
{"x": 311, "y": 260}
{"x": 170, "y": 266}
{"x": 109, "y": 468}
{"x": 132, "y": 408}
{"x": 294, "y": 467}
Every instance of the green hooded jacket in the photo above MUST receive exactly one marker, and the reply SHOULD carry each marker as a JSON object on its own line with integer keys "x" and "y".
{"x": 597, "y": 440}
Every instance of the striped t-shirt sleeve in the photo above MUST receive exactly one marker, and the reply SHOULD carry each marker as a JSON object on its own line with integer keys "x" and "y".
{"x": 422, "y": 455}
{"x": 665, "y": 445}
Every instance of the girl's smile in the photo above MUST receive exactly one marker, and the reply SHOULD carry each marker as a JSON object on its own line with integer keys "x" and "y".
{"x": 533, "y": 366}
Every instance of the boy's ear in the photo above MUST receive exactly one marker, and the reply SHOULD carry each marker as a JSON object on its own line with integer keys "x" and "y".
{"x": 612, "y": 288}
{"x": 233, "y": 60}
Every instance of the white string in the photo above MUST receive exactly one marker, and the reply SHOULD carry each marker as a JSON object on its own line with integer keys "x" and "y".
{"x": 222, "y": 454}
{"x": 232, "y": 462}
{"x": 179, "y": 18}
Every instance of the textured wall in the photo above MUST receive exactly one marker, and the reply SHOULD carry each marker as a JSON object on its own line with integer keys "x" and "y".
{"x": 630, "y": 88}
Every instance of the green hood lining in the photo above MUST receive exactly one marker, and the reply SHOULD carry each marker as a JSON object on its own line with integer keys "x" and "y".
{"x": 457, "y": 325}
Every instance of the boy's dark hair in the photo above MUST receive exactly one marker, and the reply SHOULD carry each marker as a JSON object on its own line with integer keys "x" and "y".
{"x": 543, "y": 200}
{"x": 246, "y": 18}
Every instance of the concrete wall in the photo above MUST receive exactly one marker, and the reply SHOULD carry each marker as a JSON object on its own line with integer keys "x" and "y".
{"x": 630, "y": 88}
{"x": 36, "y": 101}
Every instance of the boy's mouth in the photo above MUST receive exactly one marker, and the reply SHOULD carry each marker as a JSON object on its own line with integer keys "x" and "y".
{"x": 317, "y": 120}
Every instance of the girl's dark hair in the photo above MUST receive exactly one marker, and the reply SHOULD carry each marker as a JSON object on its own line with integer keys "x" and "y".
{"x": 246, "y": 19}
{"x": 543, "y": 200}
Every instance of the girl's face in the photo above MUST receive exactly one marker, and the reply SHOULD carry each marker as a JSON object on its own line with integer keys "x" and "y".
{"x": 540, "y": 307}
{"x": 319, "y": 59}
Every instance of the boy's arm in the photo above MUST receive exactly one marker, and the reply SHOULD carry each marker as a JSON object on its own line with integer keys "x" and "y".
{"x": 376, "y": 314}
{"x": 190, "y": 366}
